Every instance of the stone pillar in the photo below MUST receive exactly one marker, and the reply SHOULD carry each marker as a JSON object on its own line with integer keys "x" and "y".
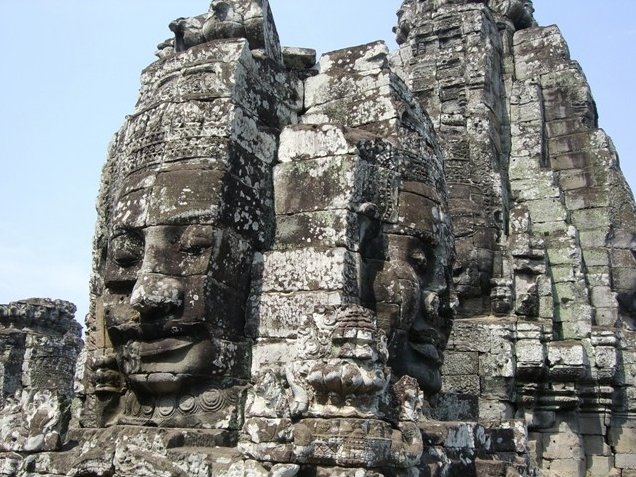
{"x": 451, "y": 58}
{"x": 39, "y": 345}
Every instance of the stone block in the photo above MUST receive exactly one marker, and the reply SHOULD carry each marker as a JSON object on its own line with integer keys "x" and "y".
{"x": 456, "y": 407}
{"x": 492, "y": 468}
{"x": 417, "y": 212}
{"x": 605, "y": 353}
{"x": 539, "y": 51}
{"x": 622, "y": 437}
{"x": 336, "y": 182}
{"x": 282, "y": 315}
{"x": 592, "y": 424}
{"x": 567, "y": 359}
{"x": 562, "y": 446}
{"x": 606, "y": 316}
{"x": 566, "y": 293}
{"x": 565, "y": 273}
{"x": 362, "y": 59}
{"x": 326, "y": 86}
{"x": 460, "y": 363}
{"x": 596, "y": 445}
{"x": 577, "y": 160}
{"x": 495, "y": 410}
{"x": 600, "y": 465}
{"x": 460, "y": 436}
{"x": 626, "y": 461}
{"x": 269, "y": 352}
{"x": 574, "y": 312}
{"x": 621, "y": 257}
{"x": 589, "y": 219}
{"x": 499, "y": 362}
{"x": 571, "y": 330}
{"x": 547, "y": 210}
{"x": 334, "y": 269}
{"x": 434, "y": 433}
{"x": 587, "y": 198}
{"x": 564, "y": 254}
{"x": 322, "y": 229}
{"x": 574, "y": 180}
{"x": 312, "y": 141}
{"x": 528, "y": 189}
{"x": 530, "y": 353}
{"x": 527, "y": 147}
{"x": 567, "y": 95}
{"x": 564, "y": 150}
{"x": 565, "y": 126}
{"x": 461, "y": 384}
{"x": 373, "y": 106}
{"x": 298, "y": 58}
{"x": 598, "y": 257}
{"x": 603, "y": 297}
{"x": 495, "y": 387}
{"x": 469, "y": 336}
{"x": 597, "y": 238}
{"x": 567, "y": 467}
{"x": 540, "y": 420}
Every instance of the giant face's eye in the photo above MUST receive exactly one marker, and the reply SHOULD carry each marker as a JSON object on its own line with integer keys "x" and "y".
{"x": 197, "y": 238}
{"x": 127, "y": 249}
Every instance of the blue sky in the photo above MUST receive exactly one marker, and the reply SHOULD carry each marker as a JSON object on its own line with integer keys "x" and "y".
{"x": 70, "y": 74}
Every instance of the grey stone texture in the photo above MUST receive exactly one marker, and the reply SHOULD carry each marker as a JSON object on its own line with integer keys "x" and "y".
{"x": 374, "y": 263}
{"x": 39, "y": 346}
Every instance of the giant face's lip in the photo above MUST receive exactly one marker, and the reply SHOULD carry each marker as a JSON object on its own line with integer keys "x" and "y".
{"x": 159, "y": 347}
{"x": 427, "y": 351}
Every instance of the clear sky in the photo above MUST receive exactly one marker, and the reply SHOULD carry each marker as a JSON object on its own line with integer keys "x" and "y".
{"x": 70, "y": 73}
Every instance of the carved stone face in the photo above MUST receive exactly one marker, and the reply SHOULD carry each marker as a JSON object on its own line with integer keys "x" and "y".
{"x": 520, "y": 12}
{"x": 405, "y": 17}
{"x": 407, "y": 307}
{"x": 176, "y": 280}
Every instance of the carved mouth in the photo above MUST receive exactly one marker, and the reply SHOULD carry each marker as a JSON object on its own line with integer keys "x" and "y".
{"x": 164, "y": 346}
{"x": 427, "y": 351}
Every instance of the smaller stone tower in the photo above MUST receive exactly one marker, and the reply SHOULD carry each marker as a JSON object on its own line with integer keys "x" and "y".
{"x": 39, "y": 345}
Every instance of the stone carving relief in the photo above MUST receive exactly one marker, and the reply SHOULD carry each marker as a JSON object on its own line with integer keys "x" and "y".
{"x": 186, "y": 201}
{"x": 384, "y": 264}
{"x": 519, "y": 12}
{"x": 175, "y": 282}
{"x": 249, "y": 19}
{"x": 39, "y": 345}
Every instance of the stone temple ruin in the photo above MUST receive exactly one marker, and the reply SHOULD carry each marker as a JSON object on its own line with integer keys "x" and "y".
{"x": 408, "y": 263}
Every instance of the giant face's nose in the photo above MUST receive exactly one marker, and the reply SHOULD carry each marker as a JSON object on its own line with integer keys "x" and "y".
{"x": 154, "y": 293}
{"x": 157, "y": 291}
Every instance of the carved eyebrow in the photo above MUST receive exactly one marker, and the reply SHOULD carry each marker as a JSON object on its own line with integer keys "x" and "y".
{"x": 194, "y": 216}
{"x": 118, "y": 231}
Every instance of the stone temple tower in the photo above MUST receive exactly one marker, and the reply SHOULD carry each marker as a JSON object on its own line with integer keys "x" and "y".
{"x": 39, "y": 346}
{"x": 408, "y": 263}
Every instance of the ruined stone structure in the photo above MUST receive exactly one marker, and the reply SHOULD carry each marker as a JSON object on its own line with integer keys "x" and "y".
{"x": 39, "y": 347}
{"x": 408, "y": 263}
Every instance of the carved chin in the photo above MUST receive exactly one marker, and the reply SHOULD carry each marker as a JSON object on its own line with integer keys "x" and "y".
{"x": 163, "y": 366}
{"x": 422, "y": 362}
{"x": 428, "y": 377}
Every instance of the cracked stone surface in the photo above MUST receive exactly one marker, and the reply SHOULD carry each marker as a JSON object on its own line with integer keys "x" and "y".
{"x": 372, "y": 263}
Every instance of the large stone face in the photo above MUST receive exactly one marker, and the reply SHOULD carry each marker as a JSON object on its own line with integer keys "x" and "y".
{"x": 417, "y": 262}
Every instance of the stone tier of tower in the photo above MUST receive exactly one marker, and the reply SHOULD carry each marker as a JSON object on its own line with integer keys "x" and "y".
{"x": 407, "y": 263}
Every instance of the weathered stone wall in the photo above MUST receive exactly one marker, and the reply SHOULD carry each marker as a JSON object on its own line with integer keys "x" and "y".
{"x": 39, "y": 346}
{"x": 374, "y": 264}
{"x": 548, "y": 337}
